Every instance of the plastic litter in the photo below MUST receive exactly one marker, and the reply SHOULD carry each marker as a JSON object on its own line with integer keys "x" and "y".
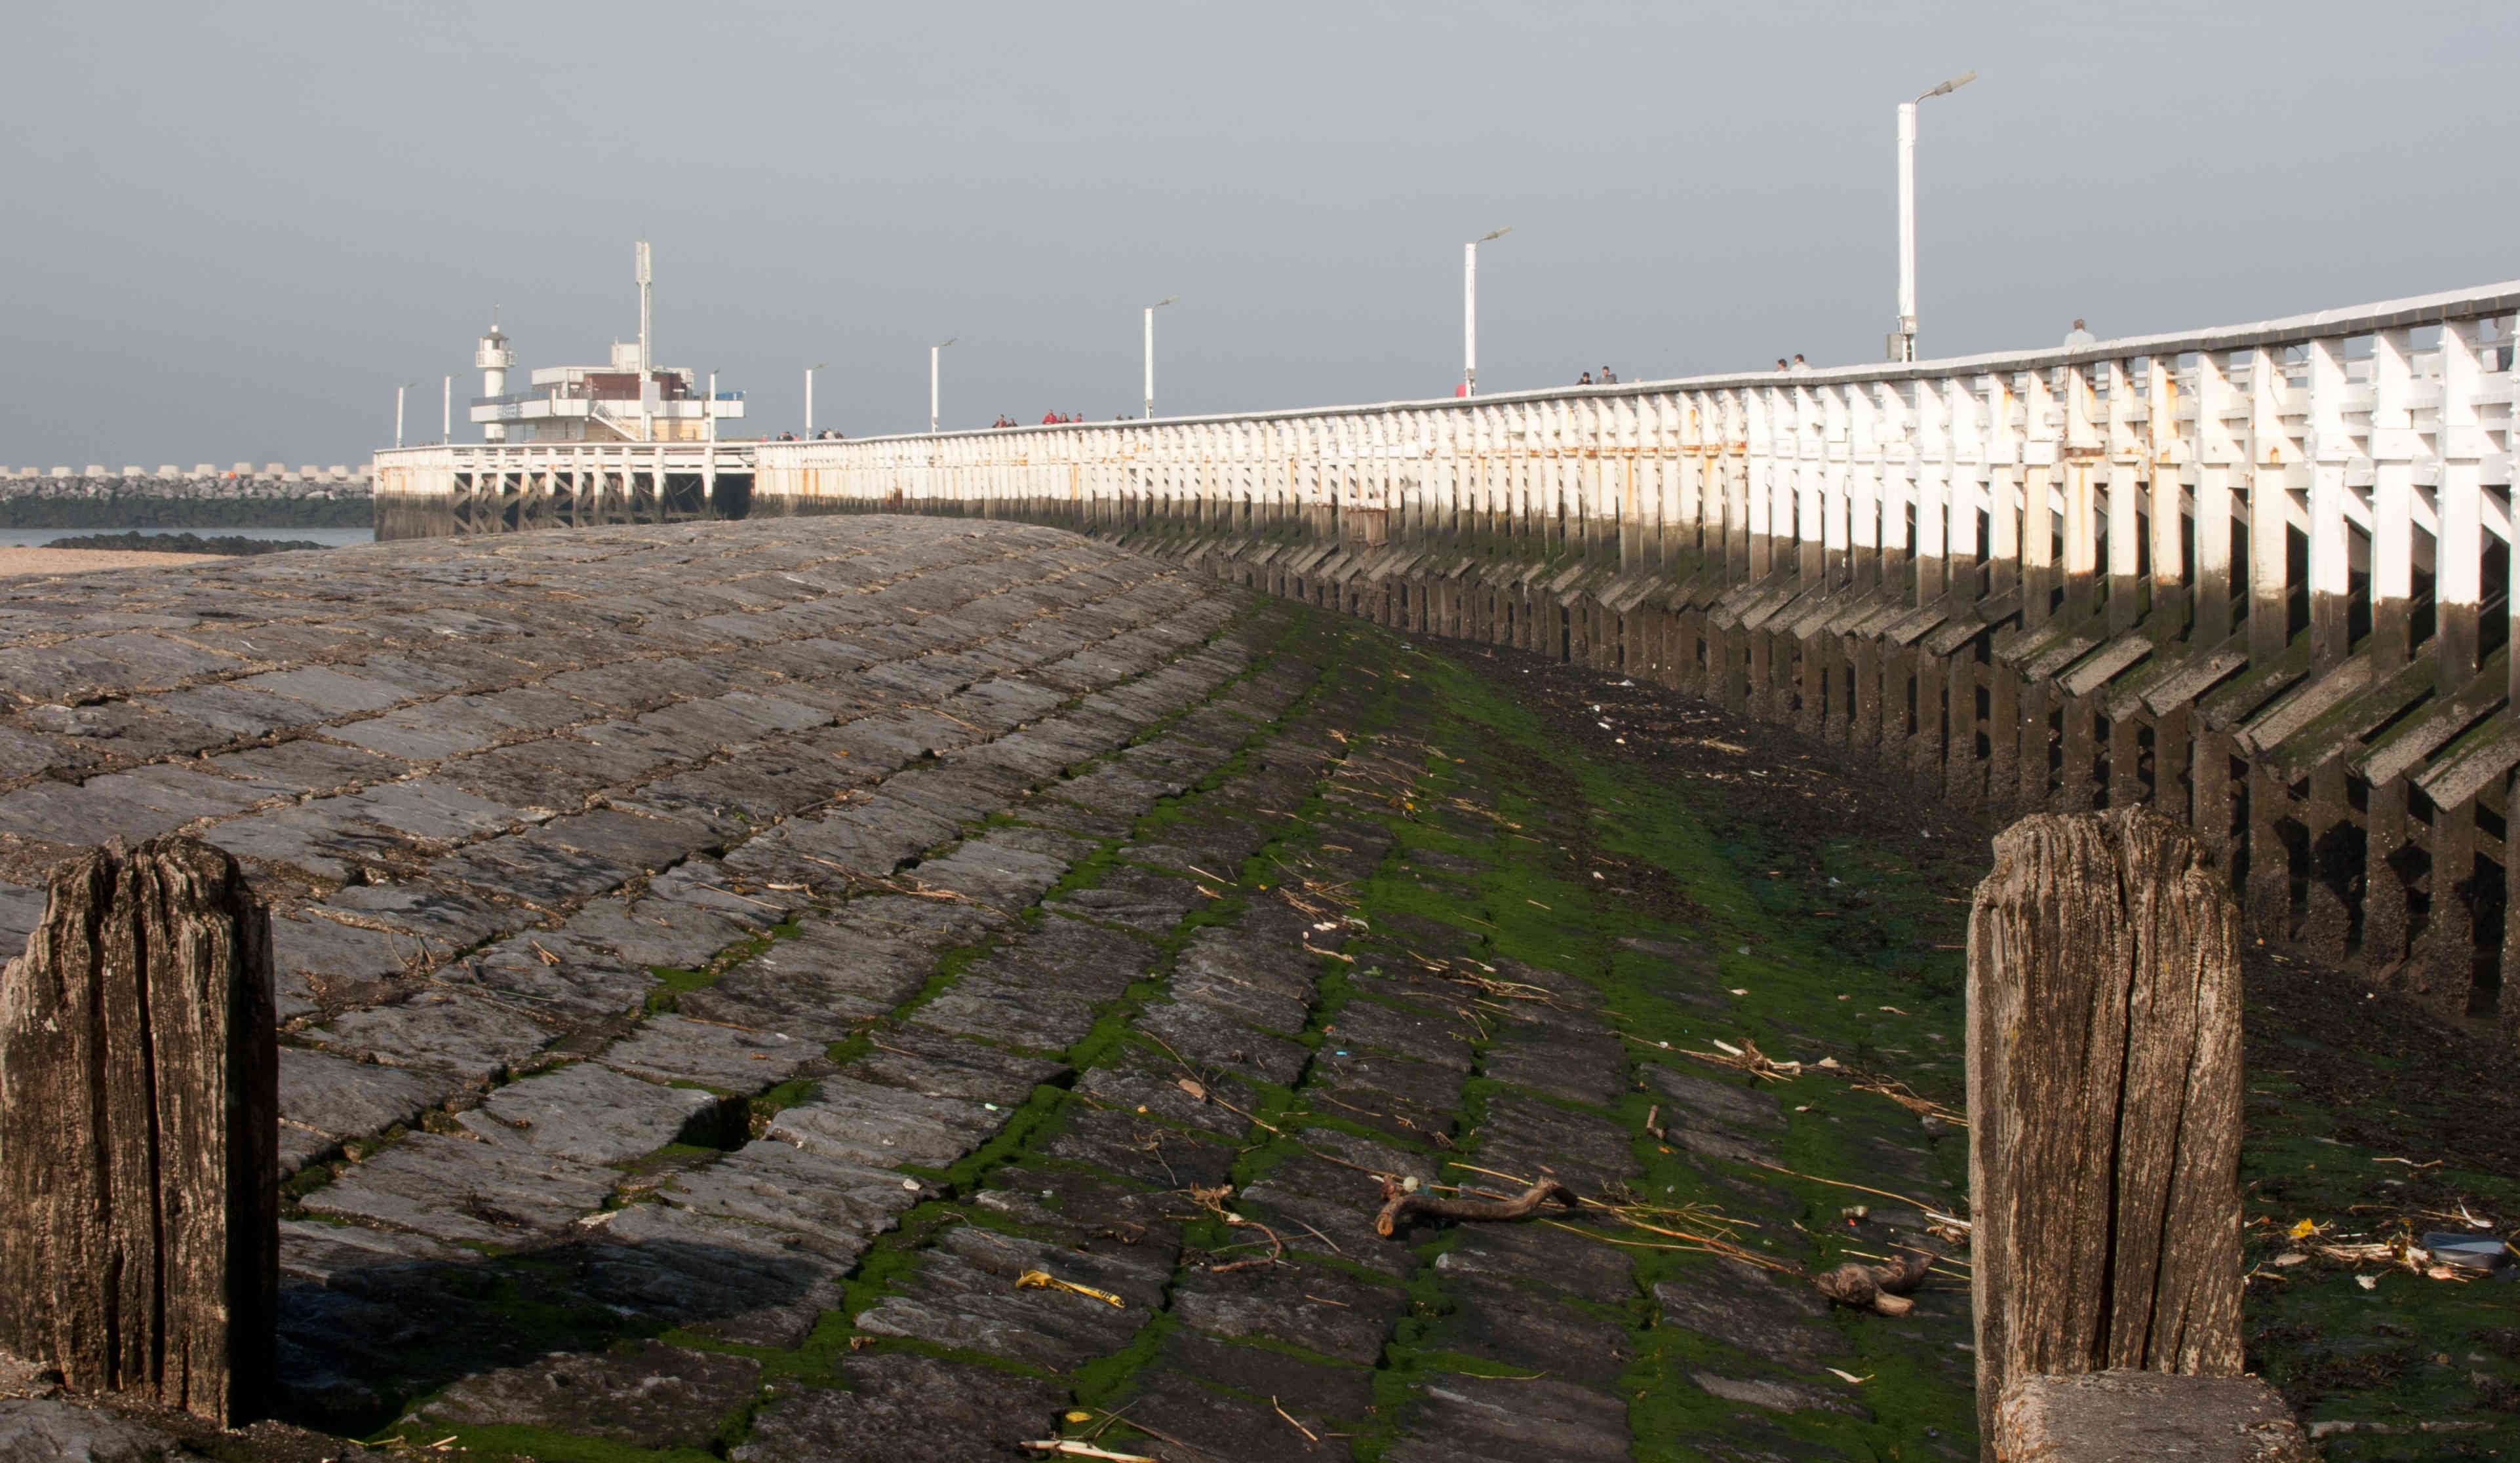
{"x": 2467, "y": 1251}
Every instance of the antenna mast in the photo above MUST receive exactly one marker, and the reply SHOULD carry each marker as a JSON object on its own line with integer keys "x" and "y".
{"x": 647, "y": 360}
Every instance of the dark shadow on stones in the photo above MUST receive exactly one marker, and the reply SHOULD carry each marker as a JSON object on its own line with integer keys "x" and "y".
{"x": 365, "y": 1330}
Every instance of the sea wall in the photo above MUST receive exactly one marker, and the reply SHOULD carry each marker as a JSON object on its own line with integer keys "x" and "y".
{"x": 272, "y": 495}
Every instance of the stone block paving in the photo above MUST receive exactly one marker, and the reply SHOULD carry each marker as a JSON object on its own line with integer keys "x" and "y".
{"x": 886, "y": 989}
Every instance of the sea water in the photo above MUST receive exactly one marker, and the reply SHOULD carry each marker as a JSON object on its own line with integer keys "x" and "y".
{"x": 330, "y": 538}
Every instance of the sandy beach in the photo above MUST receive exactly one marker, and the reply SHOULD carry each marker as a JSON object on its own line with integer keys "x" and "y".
{"x": 23, "y": 562}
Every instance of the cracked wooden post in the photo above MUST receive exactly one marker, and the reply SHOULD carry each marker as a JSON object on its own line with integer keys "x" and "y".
{"x": 2104, "y": 1106}
{"x": 139, "y": 1102}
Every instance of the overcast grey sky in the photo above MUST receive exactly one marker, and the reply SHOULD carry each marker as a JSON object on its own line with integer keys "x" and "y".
{"x": 231, "y": 229}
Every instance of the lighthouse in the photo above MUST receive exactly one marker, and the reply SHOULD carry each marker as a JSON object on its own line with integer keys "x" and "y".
{"x": 494, "y": 358}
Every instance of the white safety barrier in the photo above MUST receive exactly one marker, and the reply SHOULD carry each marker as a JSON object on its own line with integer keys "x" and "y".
{"x": 2258, "y": 576}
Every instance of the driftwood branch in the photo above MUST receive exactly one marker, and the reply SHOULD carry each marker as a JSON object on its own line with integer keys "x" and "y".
{"x": 1400, "y": 1206}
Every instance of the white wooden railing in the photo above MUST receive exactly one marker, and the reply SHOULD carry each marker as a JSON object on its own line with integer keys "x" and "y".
{"x": 2259, "y": 575}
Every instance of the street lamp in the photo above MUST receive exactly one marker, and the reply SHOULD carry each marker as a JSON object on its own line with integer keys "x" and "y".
{"x": 809, "y": 395}
{"x": 446, "y": 414}
{"x": 398, "y": 391}
{"x": 933, "y": 353}
{"x": 1150, "y": 351}
{"x": 1470, "y": 308}
{"x": 1902, "y": 342}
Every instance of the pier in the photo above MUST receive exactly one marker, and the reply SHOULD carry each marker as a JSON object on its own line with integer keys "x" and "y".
{"x": 1068, "y": 935}
{"x": 484, "y": 488}
{"x": 2258, "y": 577}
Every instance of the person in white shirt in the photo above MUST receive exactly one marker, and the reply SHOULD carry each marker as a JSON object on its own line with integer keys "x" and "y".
{"x": 2077, "y": 338}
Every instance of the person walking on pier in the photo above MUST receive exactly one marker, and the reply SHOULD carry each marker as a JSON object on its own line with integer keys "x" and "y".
{"x": 2077, "y": 338}
{"x": 1585, "y": 379}
{"x": 1800, "y": 366}
{"x": 1609, "y": 377}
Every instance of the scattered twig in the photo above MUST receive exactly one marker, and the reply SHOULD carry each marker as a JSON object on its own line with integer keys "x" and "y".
{"x": 1746, "y": 1057}
{"x": 1905, "y": 1096}
{"x": 1842, "y": 1183}
{"x": 1469, "y": 1168}
{"x": 904, "y": 886}
{"x": 1213, "y": 1201}
{"x": 1959, "y": 1268}
{"x": 1366, "y": 1111}
{"x": 1276, "y": 1249}
{"x": 1198, "y": 1090}
{"x": 1504, "y": 990}
{"x": 1069, "y": 1448}
{"x": 1696, "y": 1247}
{"x": 1308, "y": 1435}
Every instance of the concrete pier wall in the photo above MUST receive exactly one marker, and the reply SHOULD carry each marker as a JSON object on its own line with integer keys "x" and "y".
{"x": 2259, "y": 577}
{"x": 429, "y": 492}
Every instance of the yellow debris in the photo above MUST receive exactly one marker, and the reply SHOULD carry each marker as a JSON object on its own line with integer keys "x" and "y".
{"x": 1043, "y": 1280}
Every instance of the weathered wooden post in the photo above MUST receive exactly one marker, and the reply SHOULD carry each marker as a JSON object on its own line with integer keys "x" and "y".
{"x": 139, "y": 1102}
{"x": 2104, "y": 1091}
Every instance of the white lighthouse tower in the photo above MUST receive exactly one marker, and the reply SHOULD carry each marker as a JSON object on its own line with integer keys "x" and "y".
{"x": 494, "y": 358}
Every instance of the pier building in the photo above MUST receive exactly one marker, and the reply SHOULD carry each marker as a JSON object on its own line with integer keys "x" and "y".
{"x": 627, "y": 399}
{"x": 622, "y": 442}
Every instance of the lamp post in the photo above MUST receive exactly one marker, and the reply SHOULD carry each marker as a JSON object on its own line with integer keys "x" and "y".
{"x": 446, "y": 413}
{"x": 935, "y": 353}
{"x": 1470, "y": 308}
{"x": 1150, "y": 351}
{"x": 809, "y": 396}
{"x": 398, "y": 392}
{"x": 708, "y": 413}
{"x": 1902, "y": 342}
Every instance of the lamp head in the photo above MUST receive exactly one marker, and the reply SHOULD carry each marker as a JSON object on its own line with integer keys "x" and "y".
{"x": 1495, "y": 234}
{"x": 1953, "y": 85}
{"x": 1166, "y": 300}
{"x": 950, "y": 339}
